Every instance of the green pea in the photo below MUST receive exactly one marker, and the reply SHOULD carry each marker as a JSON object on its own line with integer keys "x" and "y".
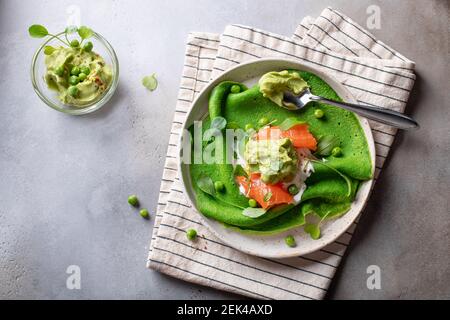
{"x": 88, "y": 46}
{"x": 318, "y": 113}
{"x": 219, "y": 186}
{"x": 59, "y": 71}
{"x": 293, "y": 189}
{"x": 263, "y": 121}
{"x": 235, "y": 88}
{"x": 85, "y": 70}
{"x": 74, "y": 43}
{"x": 73, "y": 80}
{"x": 336, "y": 152}
{"x": 75, "y": 71}
{"x": 144, "y": 213}
{"x": 191, "y": 234}
{"x": 73, "y": 91}
{"x": 82, "y": 76}
{"x": 133, "y": 199}
{"x": 252, "y": 203}
{"x": 248, "y": 127}
{"x": 290, "y": 241}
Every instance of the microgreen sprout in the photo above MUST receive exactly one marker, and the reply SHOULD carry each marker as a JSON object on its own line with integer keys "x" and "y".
{"x": 39, "y": 31}
{"x": 313, "y": 229}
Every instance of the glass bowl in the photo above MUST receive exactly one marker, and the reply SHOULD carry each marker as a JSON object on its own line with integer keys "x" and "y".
{"x": 50, "y": 97}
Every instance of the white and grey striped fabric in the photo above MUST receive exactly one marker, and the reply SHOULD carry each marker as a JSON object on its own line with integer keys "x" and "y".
{"x": 374, "y": 73}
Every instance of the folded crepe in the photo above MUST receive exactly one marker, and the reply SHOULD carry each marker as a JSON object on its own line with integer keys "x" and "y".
{"x": 327, "y": 193}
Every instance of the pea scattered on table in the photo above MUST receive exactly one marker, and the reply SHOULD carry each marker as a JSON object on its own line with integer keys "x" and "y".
{"x": 191, "y": 234}
{"x": 144, "y": 213}
{"x": 133, "y": 200}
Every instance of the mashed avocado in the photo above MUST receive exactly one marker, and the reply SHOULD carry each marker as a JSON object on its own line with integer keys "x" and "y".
{"x": 273, "y": 84}
{"x": 79, "y": 77}
{"x": 276, "y": 160}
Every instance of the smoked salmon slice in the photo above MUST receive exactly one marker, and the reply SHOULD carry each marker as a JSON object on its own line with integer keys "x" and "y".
{"x": 267, "y": 195}
{"x": 298, "y": 134}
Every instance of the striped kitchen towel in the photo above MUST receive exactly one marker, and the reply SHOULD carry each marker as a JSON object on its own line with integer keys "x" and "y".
{"x": 374, "y": 73}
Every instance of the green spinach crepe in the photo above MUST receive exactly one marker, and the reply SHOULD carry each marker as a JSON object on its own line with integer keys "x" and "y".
{"x": 330, "y": 188}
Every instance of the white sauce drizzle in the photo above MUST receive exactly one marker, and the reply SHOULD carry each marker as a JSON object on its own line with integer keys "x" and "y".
{"x": 305, "y": 168}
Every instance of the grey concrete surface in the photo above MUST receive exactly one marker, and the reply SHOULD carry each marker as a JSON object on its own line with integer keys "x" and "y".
{"x": 64, "y": 180}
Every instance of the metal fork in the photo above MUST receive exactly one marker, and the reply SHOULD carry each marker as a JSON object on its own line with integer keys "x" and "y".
{"x": 393, "y": 118}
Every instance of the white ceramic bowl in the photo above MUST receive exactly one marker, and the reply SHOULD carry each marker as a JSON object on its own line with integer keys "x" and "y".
{"x": 274, "y": 246}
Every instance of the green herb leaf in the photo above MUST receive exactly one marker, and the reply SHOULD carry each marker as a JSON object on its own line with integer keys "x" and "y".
{"x": 239, "y": 171}
{"x": 347, "y": 180}
{"x": 207, "y": 185}
{"x": 71, "y": 29}
{"x": 289, "y": 123}
{"x": 37, "y": 31}
{"x": 326, "y": 145}
{"x": 219, "y": 123}
{"x": 48, "y": 50}
{"x": 313, "y": 230}
{"x": 254, "y": 212}
{"x": 150, "y": 82}
{"x": 267, "y": 196}
{"x": 85, "y": 32}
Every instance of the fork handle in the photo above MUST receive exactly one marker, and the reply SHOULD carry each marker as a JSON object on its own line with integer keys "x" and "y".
{"x": 392, "y": 118}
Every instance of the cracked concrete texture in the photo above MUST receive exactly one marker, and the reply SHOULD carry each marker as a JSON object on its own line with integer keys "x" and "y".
{"x": 64, "y": 180}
